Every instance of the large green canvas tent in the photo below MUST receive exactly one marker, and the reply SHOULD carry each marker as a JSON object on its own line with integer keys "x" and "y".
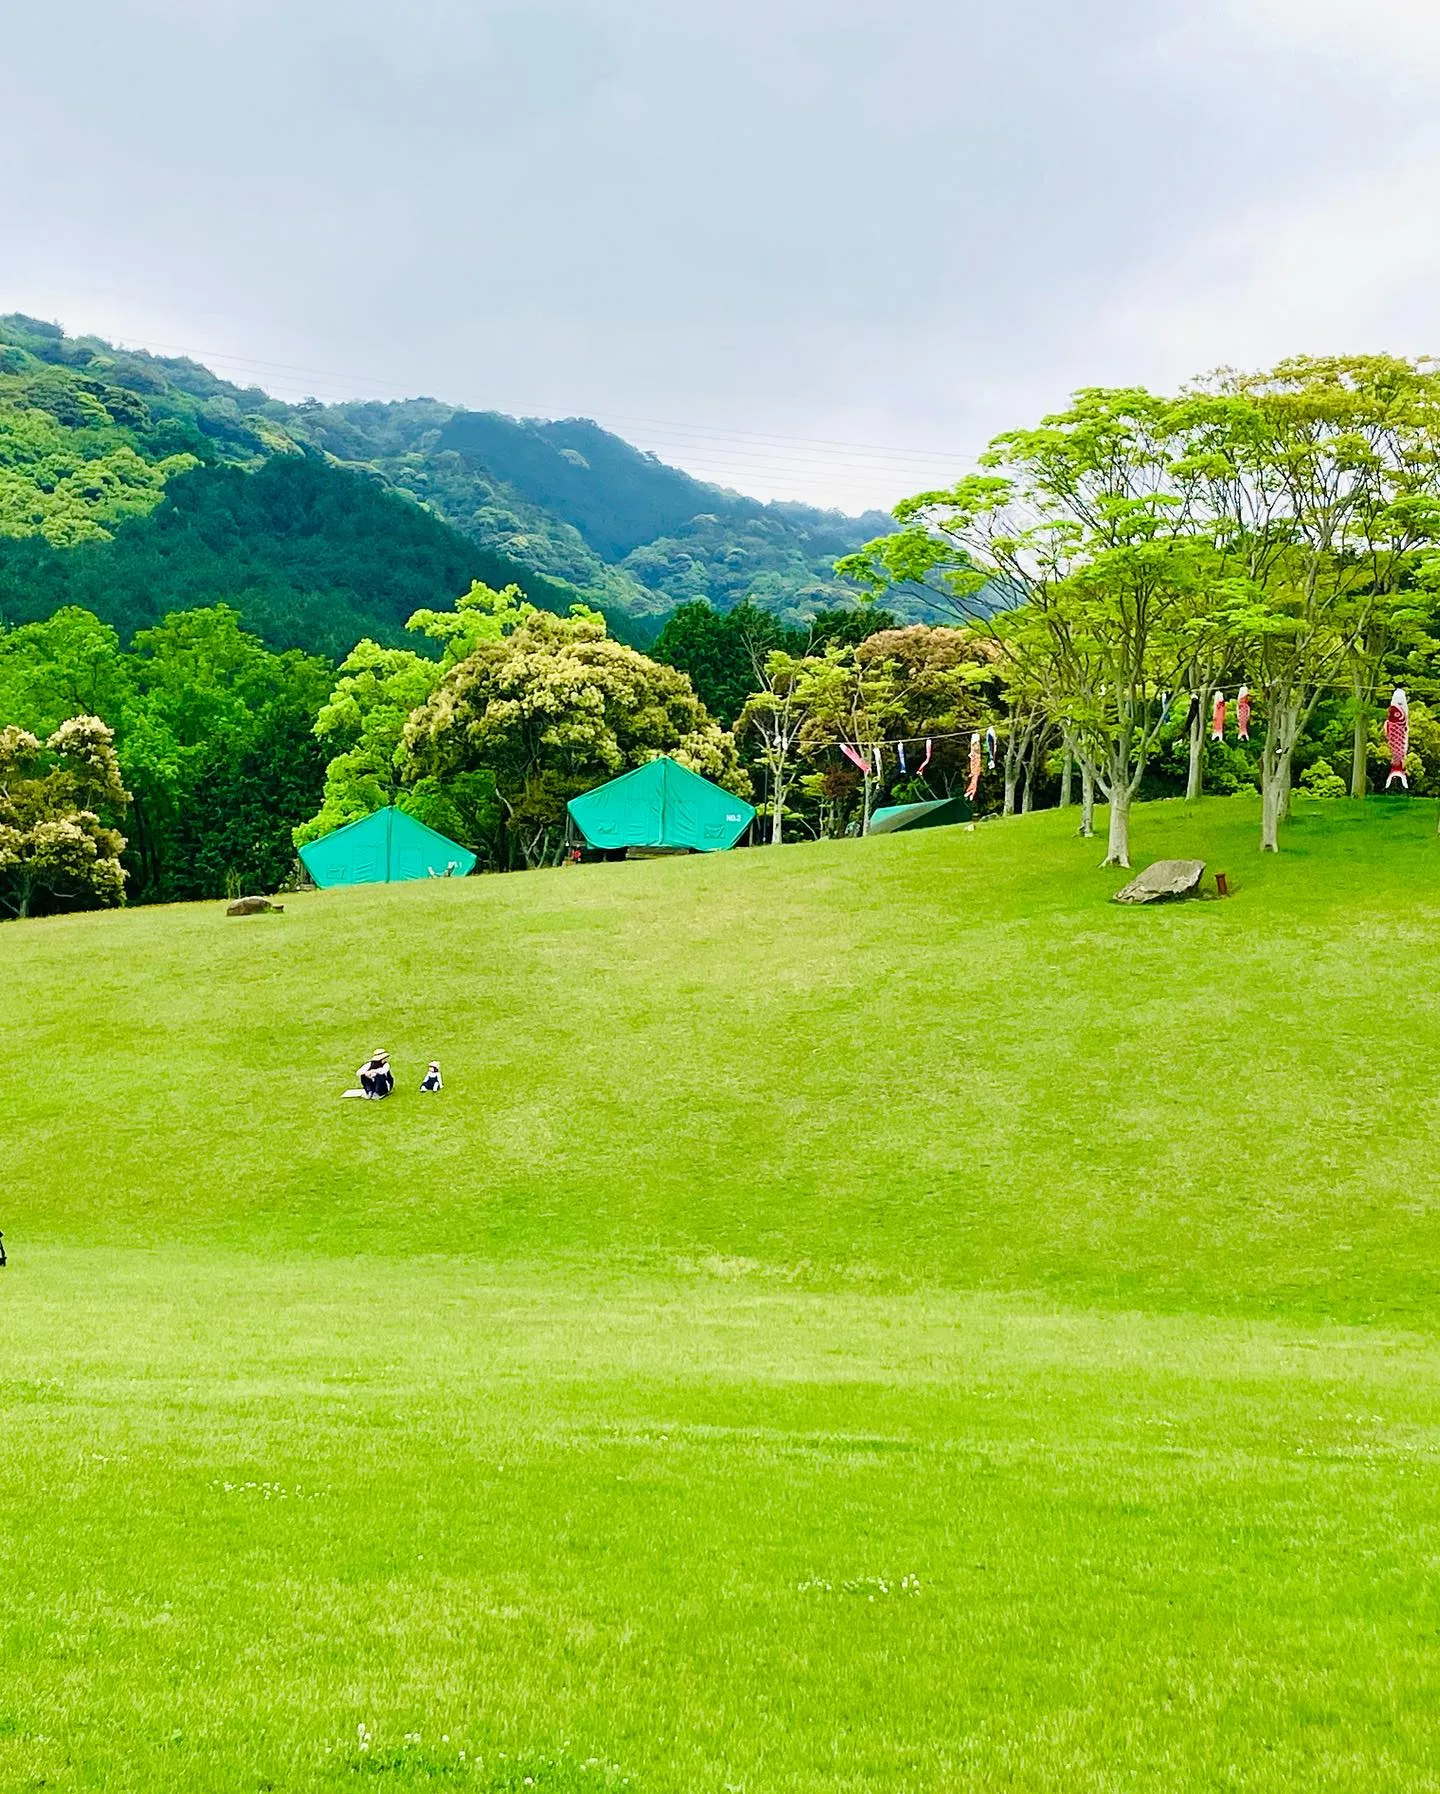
{"x": 896, "y": 818}
{"x": 661, "y": 807}
{"x": 382, "y": 848}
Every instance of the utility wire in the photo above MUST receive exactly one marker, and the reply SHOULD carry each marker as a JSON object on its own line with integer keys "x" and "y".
{"x": 690, "y": 435}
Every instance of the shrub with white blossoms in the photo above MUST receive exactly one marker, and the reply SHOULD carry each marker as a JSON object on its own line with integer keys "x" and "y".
{"x": 55, "y": 842}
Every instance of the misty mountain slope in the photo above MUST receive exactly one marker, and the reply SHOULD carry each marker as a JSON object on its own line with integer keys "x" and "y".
{"x": 135, "y": 483}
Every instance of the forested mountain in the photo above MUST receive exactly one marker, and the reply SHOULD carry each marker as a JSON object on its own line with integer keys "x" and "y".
{"x": 136, "y": 485}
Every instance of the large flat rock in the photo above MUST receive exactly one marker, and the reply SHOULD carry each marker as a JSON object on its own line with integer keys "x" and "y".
{"x": 254, "y": 906}
{"x": 1166, "y": 878}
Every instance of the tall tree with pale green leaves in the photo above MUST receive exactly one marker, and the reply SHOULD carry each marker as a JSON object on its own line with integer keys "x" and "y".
{"x": 1084, "y": 522}
{"x": 1317, "y": 484}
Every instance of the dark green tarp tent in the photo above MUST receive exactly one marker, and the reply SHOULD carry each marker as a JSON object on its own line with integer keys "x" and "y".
{"x": 382, "y": 848}
{"x": 661, "y": 807}
{"x": 898, "y": 817}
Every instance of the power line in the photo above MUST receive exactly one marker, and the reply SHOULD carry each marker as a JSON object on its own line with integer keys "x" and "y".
{"x": 678, "y": 434}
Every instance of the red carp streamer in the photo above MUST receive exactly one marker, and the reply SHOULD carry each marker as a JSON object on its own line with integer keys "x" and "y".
{"x": 1397, "y": 733}
{"x": 1242, "y": 712}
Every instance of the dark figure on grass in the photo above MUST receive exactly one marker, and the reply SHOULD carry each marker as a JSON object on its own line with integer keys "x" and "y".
{"x": 431, "y": 1083}
{"x": 376, "y": 1078}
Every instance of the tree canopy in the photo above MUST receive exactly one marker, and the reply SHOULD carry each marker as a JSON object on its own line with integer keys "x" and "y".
{"x": 57, "y": 799}
{"x": 552, "y": 708}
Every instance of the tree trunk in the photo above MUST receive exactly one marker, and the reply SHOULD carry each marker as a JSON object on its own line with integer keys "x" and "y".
{"x": 777, "y": 816}
{"x": 1195, "y": 776}
{"x": 1025, "y": 791}
{"x": 1274, "y": 780}
{"x": 865, "y": 819}
{"x": 1067, "y": 768}
{"x": 1087, "y": 799}
{"x": 1360, "y": 749}
{"x": 1117, "y": 851}
{"x": 1269, "y": 814}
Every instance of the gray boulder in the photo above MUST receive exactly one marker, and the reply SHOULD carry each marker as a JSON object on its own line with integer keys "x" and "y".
{"x": 1166, "y": 878}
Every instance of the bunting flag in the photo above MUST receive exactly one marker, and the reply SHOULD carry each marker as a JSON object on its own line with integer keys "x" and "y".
{"x": 1192, "y": 715}
{"x": 1242, "y": 712}
{"x": 974, "y": 784}
{"x": 879, "y": 763}
{"x": 1397, "y": 733}
{"x": 920, "y": 769}
{"x": 850, "y": 754}
{"x": 990, "y": 747}
{"x": 1217, "y": 720}
{"x": 900, "y": 750}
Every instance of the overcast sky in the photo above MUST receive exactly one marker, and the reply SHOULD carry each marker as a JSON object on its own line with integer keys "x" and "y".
{"x": 811, "y": 248}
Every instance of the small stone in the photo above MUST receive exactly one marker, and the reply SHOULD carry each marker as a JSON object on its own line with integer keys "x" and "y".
{"x": 1166, "y": 878}
{"x": 254, "y": 906}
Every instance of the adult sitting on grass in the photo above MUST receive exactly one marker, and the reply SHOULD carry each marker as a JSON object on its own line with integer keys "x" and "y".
{"x": 376, "y": 1078}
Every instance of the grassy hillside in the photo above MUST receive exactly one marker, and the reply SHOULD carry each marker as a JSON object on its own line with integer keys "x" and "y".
{"x": 870, "y": 1316}
{"x": 940, "y": 1058}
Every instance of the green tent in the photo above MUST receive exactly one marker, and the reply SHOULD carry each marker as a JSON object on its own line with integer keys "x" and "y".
{"x": 661, "y": 807}
{"x": 382, "y": 848}
{"x": 897, "y": 817}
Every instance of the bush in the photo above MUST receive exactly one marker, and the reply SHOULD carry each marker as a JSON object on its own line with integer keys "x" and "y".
{"x": 1321, "y": 780}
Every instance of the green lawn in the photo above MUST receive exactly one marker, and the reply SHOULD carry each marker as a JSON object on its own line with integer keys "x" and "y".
{"x": 868, "y": 1316}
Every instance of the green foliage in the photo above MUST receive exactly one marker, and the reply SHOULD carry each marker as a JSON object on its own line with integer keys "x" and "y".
{"x": 551, "y": 709}
{"x": 363, "y": 723}
{"x": 1281, "y": 527}
{"x": 91, "y": 436}
{"x": 212, "y": 731}
{"x": 56, "y": 844}
{"x": 721, "y": 651}
{"x": 1321, "y": 780}
{"x": 309, "y": 555}
{"x": 360, "y": 728}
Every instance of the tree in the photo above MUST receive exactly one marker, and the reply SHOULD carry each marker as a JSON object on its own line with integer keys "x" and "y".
{"x": 234, "y": 831}
{"x": 54, "y": 842}
{"x": 1086, "y": 524}
{"x": 719, "y": 652}
{"x": 850, "y": 705}
{"x": 203, "y": 696}
{"x": 69, "y": 665}
{"x": 945, "y": 681}
{"x": 551, "y": 709}
{"x": 363, "y": 723}
{"x": 1318, "y": 485}
{"x": 361, "y": 728}
{"x": 775, "y": 717}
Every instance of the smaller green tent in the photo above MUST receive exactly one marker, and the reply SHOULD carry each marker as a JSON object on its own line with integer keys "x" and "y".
{"x": 896, "y": 818}
{"x": 383, "y": 848}
{"x": 661, "y": 807}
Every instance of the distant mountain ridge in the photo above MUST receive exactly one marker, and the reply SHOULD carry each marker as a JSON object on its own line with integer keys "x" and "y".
{"x": 130, "y": 481}
{"x": 579, "y": 503}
